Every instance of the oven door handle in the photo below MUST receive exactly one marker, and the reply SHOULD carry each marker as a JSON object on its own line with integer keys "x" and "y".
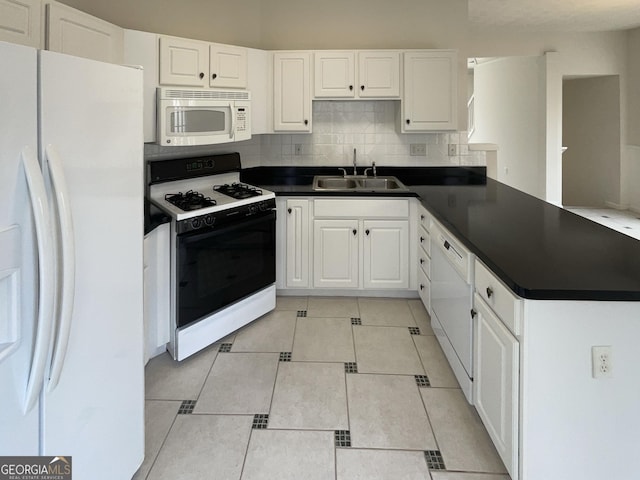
{"x": 197, "y": 236}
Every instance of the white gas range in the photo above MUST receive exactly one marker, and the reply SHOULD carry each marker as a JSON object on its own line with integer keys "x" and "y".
{"x": 222, "y": 248}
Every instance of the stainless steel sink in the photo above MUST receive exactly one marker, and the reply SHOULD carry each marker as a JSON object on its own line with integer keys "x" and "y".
{"x": 380, "y": 183}
{"x": 357, "y": 183}
{"x": 333, "y": 183}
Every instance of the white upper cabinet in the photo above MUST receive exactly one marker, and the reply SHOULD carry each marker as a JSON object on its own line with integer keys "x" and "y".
{"x": 184, "y": 62}
{"x": 430, "y": 91}
{"x": 227, "y": 66}
{"x": 77, "y": 33}
{"x": 20, "y": 22}
{"x": 334, "y": 74}
{"x": 349, "y": 74}
{"x": 201, "y": 64}
{"x": 292, "y": 92}
{"x": 379, "y": 74}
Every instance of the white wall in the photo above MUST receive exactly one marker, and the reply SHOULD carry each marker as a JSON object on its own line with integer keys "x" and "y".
{"x": 591, "y": 132}
{"x": 508, "y": 112}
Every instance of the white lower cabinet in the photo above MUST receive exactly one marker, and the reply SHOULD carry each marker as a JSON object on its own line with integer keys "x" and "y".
{"x": 386, "y": 256}
{"x": 335, "y": 255}
{"x": 157, "y": 291}
{"x": 297, "y": 243}
{"x": 496, "y": 382}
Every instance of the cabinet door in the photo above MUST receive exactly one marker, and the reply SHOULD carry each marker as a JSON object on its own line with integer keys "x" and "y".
{"x": 379, "y": 74}
{"x": 335, "y": 253}
{"x": 20, "y": 22}
{"x": 292, "y": 92}
{"x": 183, "y": 62}
{"x": 334, "y": 74}
{"x": 430, "y": 91}
{"x": 77, "y": 33}
{"x": 297, "y": 252}
{"x": 496, "y": 383}
{"x": 227, "y": 66}
{"x": 386, "y": 254}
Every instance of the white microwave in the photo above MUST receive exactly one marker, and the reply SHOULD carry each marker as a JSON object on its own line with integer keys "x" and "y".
{"x": 202, "y": 116}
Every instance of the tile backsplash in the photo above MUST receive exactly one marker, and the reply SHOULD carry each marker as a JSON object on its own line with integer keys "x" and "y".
{"x": 371, "y": 127}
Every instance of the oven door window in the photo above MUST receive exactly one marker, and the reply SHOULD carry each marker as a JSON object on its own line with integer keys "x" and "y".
{"x": 195, "y": 121}
{"x": 220, "y": 267}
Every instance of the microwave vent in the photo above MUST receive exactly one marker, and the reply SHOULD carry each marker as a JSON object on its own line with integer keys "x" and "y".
{"x": 206, "y": 94}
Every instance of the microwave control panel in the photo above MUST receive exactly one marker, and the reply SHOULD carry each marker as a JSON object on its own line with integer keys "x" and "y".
{"x": 241, "y": 119}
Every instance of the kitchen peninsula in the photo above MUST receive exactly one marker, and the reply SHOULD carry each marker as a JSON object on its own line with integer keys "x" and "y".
{"x": 574, "y": 284}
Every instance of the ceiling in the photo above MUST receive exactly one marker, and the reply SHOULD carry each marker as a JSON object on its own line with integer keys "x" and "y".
{"x": 555, "y": 15}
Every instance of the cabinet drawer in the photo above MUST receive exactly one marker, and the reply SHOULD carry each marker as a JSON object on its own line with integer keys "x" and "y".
{"x": 425, "y": 263}
{"x": 499, "y": 297}
{"x": 424, "y": 240}
{"x": 424, "y": 290}
{"x": 425, "y": 218}
{"x": 340, "y": 207}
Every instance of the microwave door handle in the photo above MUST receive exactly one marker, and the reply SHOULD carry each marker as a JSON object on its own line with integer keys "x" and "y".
{"x": 232, "y": 131}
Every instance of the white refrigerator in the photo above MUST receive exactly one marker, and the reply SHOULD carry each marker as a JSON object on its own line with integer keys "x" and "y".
{"x": 71, "y": 286}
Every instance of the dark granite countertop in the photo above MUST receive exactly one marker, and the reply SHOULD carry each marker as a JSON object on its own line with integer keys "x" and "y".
{"x": 537, "y": 249}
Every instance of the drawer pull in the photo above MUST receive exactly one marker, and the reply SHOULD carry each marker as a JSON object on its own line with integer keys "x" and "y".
{"x": 447, "y": 245}
{"x": 474, "y": 314}
{"x": 489, "y": 292}
{"x": 421, "y": 287}
{"x": 422, "y": 261}
{"x": 421, "y": 239}
{"x": 421, "y": 217}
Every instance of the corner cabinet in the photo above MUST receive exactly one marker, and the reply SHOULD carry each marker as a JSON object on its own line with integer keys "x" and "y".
{"x": 349, "y": 74}
{"x": 292, "y": 92}
{"x": 430, "y": 91}
{"x": 194, "y": 63}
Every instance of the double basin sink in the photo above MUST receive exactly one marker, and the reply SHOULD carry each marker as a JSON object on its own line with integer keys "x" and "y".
{"x": 359, "y": 183}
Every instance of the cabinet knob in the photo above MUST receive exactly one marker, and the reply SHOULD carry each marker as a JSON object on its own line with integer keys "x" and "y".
{"x": 489, "y": 292}
{"x": 362, "y": 87}
{"x": 367, "y": 231}
{"x": 350, "y": 87}
{"x": 421, "y": 239}
{"x": 289, "y": 210}
{"x": 421, "y": 217}
{"x": 306, "y": 122}
{"x": 473, "y": 313}
{"x": 201, "y": 75}
{"x": 355, "y": 231}
{"x": 408, "y": 121}
{"x": 447, "y": 245}
{"x": 422, "y": 261}
{"x": 214, "y": 76}
{"x": 421, "y": 287}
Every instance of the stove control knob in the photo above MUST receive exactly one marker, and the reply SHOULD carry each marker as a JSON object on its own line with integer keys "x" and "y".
{"x": 208, "y": 220}
{"x": 195, "y": 223}
{"x": 252, "y": 209}
{"x": 263, "y": 207}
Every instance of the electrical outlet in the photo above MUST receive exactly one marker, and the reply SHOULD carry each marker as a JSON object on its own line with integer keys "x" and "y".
{"x": 298, "y": 149}
{"x": 453, "y": 149}
{"x": 601, "y": 363}
{"x": 418, "y": 150}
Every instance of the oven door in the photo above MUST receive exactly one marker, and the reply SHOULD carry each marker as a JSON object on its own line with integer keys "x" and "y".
{"x": 221, "y": 266}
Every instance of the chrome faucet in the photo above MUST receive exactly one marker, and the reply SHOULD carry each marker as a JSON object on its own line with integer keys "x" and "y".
{"x": 355, "y": 172}
{"x": 373, "y": 168}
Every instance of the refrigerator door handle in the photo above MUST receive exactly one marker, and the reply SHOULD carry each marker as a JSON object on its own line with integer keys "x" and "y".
{"x": 68, "y": 269}
{"x": 46, "y": 291}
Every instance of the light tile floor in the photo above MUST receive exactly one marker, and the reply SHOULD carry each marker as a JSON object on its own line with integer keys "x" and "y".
{"x": 321, "y": 388}
{"x": 623, "y": 221}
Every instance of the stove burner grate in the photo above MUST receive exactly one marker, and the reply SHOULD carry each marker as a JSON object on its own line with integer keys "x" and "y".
{"x": 238, "y": 191}
{"x": 189, "y": 201}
